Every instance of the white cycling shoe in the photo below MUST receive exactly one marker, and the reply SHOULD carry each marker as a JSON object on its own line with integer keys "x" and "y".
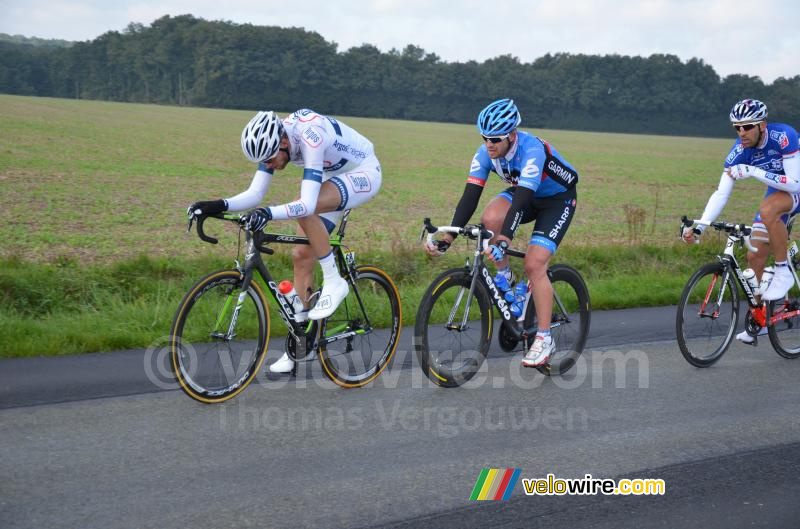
{"x": 333, "y": 292}
{"x": 782, "y": 281}
{"x": 540, "y": 351}
{"x": 746, "y": 338}
{"x": 283, "y": 365}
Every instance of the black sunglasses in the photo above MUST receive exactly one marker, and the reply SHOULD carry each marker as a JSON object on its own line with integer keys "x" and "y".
{"x": 494, "y": 139}
{"x": 749, "y": 126}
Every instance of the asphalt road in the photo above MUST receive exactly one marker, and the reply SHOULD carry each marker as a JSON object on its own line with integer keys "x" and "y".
{"x": 92, "y": 441}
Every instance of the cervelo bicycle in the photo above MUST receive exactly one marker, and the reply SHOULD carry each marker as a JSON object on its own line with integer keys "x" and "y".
{"x": 708, "y": 310}
{"x": 221, "y": 328}
{"x": 455, "y": 318}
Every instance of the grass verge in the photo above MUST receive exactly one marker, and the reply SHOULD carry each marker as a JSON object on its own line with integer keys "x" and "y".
{"x": 65, "y": 308}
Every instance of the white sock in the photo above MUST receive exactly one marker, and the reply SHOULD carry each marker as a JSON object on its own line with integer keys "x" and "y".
{"x": 329, "y": 268}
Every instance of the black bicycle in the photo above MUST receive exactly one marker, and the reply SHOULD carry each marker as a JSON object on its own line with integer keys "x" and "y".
{"x": 455, "y": 318}
{"x": 221, "y": 328}
{"x": 708, "y": 311}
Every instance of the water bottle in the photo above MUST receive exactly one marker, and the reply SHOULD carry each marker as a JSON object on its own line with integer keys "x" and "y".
{"x": 750, "y": 276}
{"x": 501, "y": 282}
{"x": 520, "y": 293}
{"x": 766, "y": 279}
{"x": 286, "y": 289}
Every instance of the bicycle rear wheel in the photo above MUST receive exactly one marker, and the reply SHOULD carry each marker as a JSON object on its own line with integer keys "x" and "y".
{"x": 366, "y": 327}
{"x": 452, "y": 338}
{"x": 784, "y": 333}
{"x": 219, "y": 337}
{"x": 569, "y": 324}
{"x": 707, "y": 314}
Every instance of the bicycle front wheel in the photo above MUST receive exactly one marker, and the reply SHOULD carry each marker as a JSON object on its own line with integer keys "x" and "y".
{"x": 359, "y": 339}
{"x": 453, "y": 329}
{"x": 707, "y": 314}
{"x": 784, "y": 333}
{"x": 219, "y": 337}
{"x": 569, "y": 324}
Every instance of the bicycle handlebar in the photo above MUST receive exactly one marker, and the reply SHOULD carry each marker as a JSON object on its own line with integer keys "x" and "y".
{"x": 201, "y": 219}
{"x": 473, "y": 231}
{"x": 739, "y": 231}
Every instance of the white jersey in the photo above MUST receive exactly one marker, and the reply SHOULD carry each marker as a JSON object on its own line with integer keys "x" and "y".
{"x": 326, "y": 149}
{"x": 324, "y": 144}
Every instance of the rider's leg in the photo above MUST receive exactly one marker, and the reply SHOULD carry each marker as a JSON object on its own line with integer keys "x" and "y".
{"x": 773, "y": 208}
{"x": 347, "y": 191}
{"x": 537, "y": 259}
{"x": 553, "y": 217}
{"x": 305, "y": 256}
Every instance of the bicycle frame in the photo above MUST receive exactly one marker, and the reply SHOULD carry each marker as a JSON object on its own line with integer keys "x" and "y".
{"x": 478, "y": 269}
{"x": 254, "y": 247}
{"x": 740, "y": 233}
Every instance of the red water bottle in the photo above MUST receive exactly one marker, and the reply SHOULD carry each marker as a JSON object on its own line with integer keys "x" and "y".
{"x": 287, "y": 290}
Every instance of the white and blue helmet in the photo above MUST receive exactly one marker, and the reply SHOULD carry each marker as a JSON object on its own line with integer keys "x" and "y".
{"x": 748, "y": 111}
{"x": 261, "y": 138}
{"x": 499, "y": 118}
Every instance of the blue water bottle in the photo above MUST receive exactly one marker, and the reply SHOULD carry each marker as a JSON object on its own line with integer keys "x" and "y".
{"x": 501, "y": 283}
{"x": 520, "y": 292}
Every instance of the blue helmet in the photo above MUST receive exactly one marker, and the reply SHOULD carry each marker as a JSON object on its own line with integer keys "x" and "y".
{"x": 499, "y": 118}
{"x": 748, "y": 111}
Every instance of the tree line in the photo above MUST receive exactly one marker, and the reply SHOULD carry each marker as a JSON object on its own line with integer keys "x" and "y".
{"x": 185, "y": 60}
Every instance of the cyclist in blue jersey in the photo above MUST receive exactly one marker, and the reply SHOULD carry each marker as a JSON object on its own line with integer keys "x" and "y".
{"x": 340, "y": 171}
{"x": 542, "y": 187}
{"x": 769, "y": 153}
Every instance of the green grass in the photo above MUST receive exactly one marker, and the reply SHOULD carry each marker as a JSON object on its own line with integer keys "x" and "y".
{"x": 95, "y": 255}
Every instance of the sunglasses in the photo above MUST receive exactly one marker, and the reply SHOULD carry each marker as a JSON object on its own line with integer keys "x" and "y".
{"x": 494, "y": 139}
{"x": 749, "y": 126}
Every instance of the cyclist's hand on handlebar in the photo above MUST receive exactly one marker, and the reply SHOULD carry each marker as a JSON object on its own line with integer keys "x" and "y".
{"x": 438, "y": 247}
{"x": 256, "y": 219}
{"x": 690, "y": 235}
{"x": 497, "y": 251}
{"x": 207, "y": 207}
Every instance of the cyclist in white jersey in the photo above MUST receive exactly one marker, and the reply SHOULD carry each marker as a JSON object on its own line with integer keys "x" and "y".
{"x": 340, "y": 171}
{"x": 769, "y": 153}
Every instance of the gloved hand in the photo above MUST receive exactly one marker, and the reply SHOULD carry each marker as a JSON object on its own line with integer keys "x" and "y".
{"x": 740, "y": 171}
{"x": 497, "y": 251}
{"x": 255, "y": 220}
{"x": 207, "y": 207}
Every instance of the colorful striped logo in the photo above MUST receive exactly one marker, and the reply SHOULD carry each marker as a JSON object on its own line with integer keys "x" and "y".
{"x": 495, "y": 484}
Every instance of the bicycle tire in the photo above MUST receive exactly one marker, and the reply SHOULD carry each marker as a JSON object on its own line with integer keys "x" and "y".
{"x": 784, "y": 334}
{"x": 569, "y": 328}
{"x": 208, "y": 366}
{"x": 702, "y": 337}
{"x": 450, "y": 357}
{"x": 359, "y": 365}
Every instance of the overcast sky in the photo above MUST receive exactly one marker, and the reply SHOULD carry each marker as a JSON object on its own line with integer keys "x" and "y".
{"x": 733, "y": 39}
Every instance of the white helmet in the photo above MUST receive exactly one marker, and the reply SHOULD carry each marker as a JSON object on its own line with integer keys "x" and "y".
{"x": 261, "y": 138}
{"x": 748, "y": 111}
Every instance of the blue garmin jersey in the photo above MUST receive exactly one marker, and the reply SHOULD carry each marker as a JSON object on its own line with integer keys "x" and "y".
{"x": 781, "y": 142}
{"x": 531, "y": 162}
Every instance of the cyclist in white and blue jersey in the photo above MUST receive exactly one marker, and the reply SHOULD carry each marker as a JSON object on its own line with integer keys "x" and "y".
{"x": 340, "y": 171}
{"x": 542, "y": 188}
{"x": 770, "y": 153}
